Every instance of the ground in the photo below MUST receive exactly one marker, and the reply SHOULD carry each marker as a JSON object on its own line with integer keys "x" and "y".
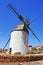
{"x": 30, "y": 59}
{"x": 25, "y": 63}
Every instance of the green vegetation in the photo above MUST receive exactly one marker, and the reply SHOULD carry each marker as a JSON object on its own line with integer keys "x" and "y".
{"x": 34, "y": 49}
{"x": 17, "y": 53}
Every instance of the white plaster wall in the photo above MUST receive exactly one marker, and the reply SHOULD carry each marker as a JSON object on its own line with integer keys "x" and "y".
{"x": 19, "y": 42}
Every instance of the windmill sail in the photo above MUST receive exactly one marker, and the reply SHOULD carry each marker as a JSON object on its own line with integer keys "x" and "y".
{"x": 11, "y": 6}
{"x": 6, "y": 43}
{"x": 34, "y": 34}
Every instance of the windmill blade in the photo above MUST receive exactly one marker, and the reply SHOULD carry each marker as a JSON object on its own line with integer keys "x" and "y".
{"x": 34, "y": 20}
{"x": 14, "y": 10}
{"x": 34, "y": 34}
{"x": 6, "y": 43}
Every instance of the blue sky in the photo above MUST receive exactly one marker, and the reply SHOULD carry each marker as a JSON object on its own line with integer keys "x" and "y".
{"x": 33, "y": 9}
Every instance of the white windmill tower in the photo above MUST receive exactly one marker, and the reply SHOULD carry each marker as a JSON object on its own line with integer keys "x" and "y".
{"x": 19, "y": 40}
{"x": 19, "y": 36}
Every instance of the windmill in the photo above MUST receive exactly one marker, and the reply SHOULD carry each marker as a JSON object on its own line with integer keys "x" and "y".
{"x": 19, "y": 46}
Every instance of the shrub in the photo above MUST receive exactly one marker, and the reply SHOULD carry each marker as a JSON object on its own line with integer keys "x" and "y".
{"x": 17, "y": 53}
